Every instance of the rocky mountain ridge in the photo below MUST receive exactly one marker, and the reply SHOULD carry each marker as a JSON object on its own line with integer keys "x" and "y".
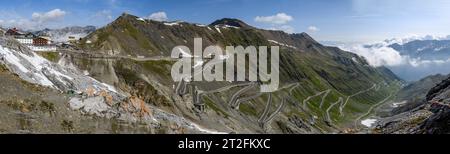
{"x": 63, "y": 34}
{"x": 315, "y": 76}
{"x": 430, "y": 118}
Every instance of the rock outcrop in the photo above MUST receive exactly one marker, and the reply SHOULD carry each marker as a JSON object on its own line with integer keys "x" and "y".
{"x": 433, "y": 117}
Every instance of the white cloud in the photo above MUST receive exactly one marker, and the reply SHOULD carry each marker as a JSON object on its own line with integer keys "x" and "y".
{"x": 416, "y": 69}
{"x": 412, "y": 37}
{"x": 418, "y": 62}
{"x": 380, "y": 54}
{"x": 37, "y": 20}
{"x": 406, "y": 67}
{"x": 52, "y": 15}
{"x": 313, "y": 29}
{"x": 158, "y": 16}
{"x": 280, "y": 18}
{"x": 376, "y": 55}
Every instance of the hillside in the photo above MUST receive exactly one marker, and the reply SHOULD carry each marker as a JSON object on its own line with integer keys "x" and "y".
{"x": 432, "y": 117}
{"x": 40, "y": 96}
{"x": 323, "y": 89}
{"x": 414, "y": 94}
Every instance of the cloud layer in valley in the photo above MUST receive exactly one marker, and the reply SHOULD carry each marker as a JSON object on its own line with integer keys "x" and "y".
{"x": 380, "y": 54}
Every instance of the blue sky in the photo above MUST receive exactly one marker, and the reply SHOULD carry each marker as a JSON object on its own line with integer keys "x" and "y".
{"x": 325, "y": 20}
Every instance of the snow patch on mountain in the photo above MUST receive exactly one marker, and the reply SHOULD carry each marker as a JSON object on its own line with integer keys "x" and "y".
{"x": 282, "y": 44}
{"x": 175, "y": 23}
{"x": 36, "y": 69}
{"x": 369, "y": 122}
{"x": 140, "y": 19}
{"x": 229, "y": 26}
{"x": 218, "y": 29}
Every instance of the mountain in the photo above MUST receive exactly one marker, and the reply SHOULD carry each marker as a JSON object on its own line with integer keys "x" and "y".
{"x": 432, "y": 117}
{"x": 323, "y": 89}
{"x": 40, "y": 96}
{"x": 62, "y": 35}
{"x": 413, "y": 95}
{"x": 425, "y": 49}
{"x": 231, "y": 23}
{"x": 2, "y": 31}
{"x": 411, "y": 58}
{"x": 120, "y": 74}
{"x": 422, "y": 58}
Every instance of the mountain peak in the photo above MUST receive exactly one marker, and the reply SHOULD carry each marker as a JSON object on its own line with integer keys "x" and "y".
{"x": 304, "y": 36}
{"x": 230, "y": 22}
{"x": 126, "y": 15}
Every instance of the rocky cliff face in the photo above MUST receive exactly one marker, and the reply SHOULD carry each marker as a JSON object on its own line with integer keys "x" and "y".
{"x": 49, "y": 97}
{"x": 439, "y": 97}
{"x": 414, "y": 94}
{"x": 430, "y": 118}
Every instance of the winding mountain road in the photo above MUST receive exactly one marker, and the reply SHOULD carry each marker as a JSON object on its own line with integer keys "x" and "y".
{"x": 266, "y": 120}
{"x": 266, "y": 109}
{"x": 306, "y": 101}
{"x": 245, "y": 99}
{"x": 371, "y": 108}
{"x": 324, "y": 97}
{"x": 103, "y": 56}
{"x": 236, "y": 95}
{"x": 341, "y": 108}
{"x": 341, "y": 100}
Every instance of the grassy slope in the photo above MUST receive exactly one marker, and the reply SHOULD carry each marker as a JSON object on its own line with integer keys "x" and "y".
{"x": 51, "y": 56}
{"x": 318, "y": 69}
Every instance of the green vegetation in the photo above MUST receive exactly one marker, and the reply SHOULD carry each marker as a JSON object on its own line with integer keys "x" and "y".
{"x": 163, "y": 67}
{"x": 51, "y": 56}
{"x": 248, "y": 109}
{"x": 209, "y": 103}
{"x": 138, "y": 85}
{"x": 3, "y": 68}
{"x": 137, "y": 35}
{"x": 315, "y": 67}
